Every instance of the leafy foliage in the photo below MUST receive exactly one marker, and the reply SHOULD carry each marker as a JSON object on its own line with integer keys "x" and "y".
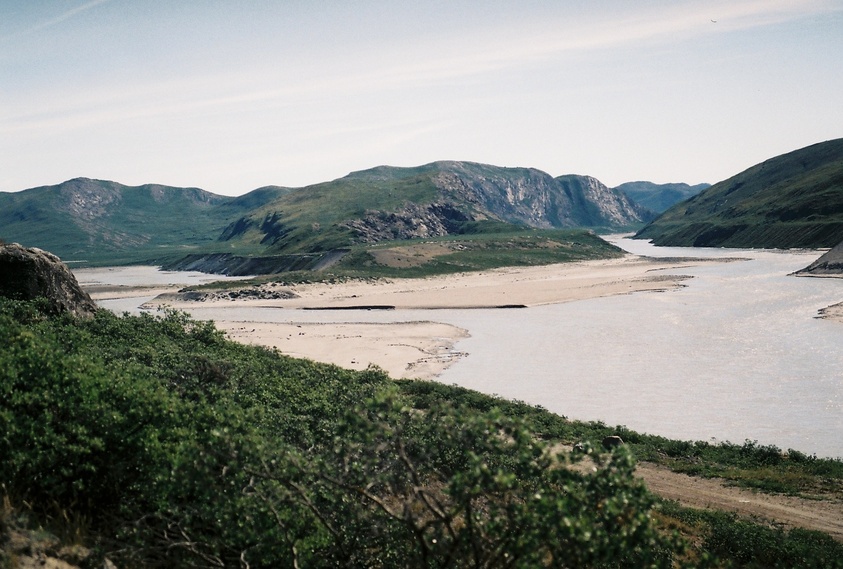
{"x": 749, "y": 545}
{"x": 180, "y": 448}
{"x": 750, "y": 464}
{"x": 185, "y": 448}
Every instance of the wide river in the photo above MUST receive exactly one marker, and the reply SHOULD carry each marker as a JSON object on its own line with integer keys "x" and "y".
{"x": 736, "y": 354}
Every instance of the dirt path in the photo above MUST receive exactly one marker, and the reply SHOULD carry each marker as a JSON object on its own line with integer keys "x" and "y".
{"x": 785, "y": 511}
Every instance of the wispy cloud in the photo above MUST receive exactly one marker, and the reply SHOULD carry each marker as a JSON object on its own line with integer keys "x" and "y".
{"x": 464, "y": 59}
{"x": 57, "y": 19}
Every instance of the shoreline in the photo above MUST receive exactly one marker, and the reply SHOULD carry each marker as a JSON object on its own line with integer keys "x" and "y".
{"x": 419, "y": 349}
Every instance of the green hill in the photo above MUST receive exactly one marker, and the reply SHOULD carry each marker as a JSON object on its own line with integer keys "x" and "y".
{"x": 442, "y": 198}
{"x": 793, "y": 200}
{"x": 102, "y": 221}
{"x": 659, "y": 197}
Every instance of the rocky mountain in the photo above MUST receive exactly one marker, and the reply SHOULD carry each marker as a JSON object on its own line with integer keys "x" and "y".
{"x": 106, "y": 222}
{"x": 792, "y": 200}
{"x": 436, "y": 199}
{"x": 29, "y": 273}
{"x": 659, "y": 197}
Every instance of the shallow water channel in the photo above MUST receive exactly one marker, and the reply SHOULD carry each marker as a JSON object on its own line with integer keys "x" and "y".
{"x": 735, "y": 354}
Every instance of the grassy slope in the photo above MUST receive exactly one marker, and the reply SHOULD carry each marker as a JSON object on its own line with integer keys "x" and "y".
{"x": 793, "y": 200}
{"x": 482, "y": 251}
{"x": 491, "y": 245}
{"x": 307, "y": 217}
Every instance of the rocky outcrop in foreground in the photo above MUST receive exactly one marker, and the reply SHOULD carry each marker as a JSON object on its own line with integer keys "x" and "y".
{"x": 30, "y": 273}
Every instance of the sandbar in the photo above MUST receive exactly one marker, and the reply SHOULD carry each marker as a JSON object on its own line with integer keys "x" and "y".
{"x": 833, "y": 312}
{"x": 424, "y": 349}
{"x": 402, "y": 349}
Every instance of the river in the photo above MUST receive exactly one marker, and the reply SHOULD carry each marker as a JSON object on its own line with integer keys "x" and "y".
{"x": 736, "y": 354}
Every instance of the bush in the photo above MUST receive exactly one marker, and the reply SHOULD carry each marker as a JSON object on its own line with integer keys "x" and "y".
{"x": 183, "y": 448}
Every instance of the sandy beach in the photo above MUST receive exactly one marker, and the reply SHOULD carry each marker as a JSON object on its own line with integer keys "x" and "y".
{"x": 416, "y": 349}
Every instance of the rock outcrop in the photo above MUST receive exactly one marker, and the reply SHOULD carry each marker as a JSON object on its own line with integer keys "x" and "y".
{"x": 30, "y": 273}
{"x": 411, "y": 222}
{"x": 829, "y": 265}
{"x": 531, "y": 197}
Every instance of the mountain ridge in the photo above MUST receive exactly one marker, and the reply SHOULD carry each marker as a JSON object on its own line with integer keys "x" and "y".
{"x": 431, "y": 200}
{"x": 83, "y": 214}
{"x": 659, "y": 197}
{"x": 110, "y": 222}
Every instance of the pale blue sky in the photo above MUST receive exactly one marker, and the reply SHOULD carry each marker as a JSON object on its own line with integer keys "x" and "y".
{"x": 232, "y": 95}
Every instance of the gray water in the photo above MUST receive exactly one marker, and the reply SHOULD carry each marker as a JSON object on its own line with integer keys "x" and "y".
{"x": 736, "y": 354}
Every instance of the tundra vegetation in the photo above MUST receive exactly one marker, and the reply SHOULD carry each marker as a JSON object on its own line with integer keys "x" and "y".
{"x": 157, "y": 442}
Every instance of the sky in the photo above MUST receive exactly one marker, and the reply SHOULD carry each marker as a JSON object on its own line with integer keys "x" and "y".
{"x": 230, "y": 96}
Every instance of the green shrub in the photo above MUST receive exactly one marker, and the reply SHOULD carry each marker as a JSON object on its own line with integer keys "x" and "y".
{"x": 183, "y": 448}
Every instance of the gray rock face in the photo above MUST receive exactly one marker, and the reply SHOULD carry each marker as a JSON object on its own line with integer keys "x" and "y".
{"x": 597, "y": 205}
{"x": 412, "y": 222}
{"x": 534, "y": 198}
{"x": 30, "y": 273}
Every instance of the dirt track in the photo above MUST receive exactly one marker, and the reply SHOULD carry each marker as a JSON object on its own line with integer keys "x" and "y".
{"x": 782, "y": 511}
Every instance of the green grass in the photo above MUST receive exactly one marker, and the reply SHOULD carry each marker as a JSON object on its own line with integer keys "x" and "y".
{"x": 494, "y": 245}
{"x": 739, "y": 542}
{"x": 484, "y": 251}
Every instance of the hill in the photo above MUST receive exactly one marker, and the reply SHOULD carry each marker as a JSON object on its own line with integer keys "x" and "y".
{"x": 659, "y": 197}
{"x": 102, "y": 222}
{"x": 85, "y": 219}
{"x": 792, "y": 200}
{"x": 437, "y": 199}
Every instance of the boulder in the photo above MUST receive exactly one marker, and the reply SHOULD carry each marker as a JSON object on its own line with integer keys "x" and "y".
{"x": 612, "y": 441}
{"x": 829, "y": 265}
{"x": 30, "y": 273}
